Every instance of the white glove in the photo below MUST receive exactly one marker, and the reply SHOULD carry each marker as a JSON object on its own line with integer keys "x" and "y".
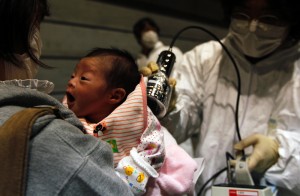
{"x": 265, "y": 152}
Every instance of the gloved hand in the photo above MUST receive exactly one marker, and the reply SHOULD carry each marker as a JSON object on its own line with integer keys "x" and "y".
{"x": 145, "y": 71}
{"x": 173, "y": 99}
{"x": 151, "y": 68}
{"x": 265, "y": 152}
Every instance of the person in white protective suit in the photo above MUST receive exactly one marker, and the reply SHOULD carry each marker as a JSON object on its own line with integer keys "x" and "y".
{"x": 263, "y": 39}
{"x": 147, "y": 33}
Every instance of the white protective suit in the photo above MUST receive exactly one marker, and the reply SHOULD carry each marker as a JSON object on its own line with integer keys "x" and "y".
{"x": 269, "y": 104}
{"x": 142, "y": 60}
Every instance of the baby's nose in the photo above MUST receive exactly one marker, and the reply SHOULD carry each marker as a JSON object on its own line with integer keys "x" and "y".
{"x": 71, "y": 82}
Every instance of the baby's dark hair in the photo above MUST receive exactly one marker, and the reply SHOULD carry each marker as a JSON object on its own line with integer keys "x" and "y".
{"x": 289, "y": 10}
{"x": 123, "y": 71}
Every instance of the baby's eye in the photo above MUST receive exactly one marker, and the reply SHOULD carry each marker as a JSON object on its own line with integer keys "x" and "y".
{"x": 72, "y": 76}
{"x": 83, "y": 78}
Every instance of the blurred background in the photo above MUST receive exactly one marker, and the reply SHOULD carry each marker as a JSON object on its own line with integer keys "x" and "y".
{"x": 77, "y": 26}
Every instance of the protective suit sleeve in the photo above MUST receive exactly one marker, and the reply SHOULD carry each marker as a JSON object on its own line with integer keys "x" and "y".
{"x": 179, "y": 56}
{"x": 285, "y": 173}
{"x": 185, "y": 119}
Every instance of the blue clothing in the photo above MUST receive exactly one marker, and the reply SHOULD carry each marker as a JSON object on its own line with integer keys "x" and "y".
{"x": 62, "y": 160}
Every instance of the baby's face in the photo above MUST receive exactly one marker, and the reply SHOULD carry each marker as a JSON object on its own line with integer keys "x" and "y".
{"x": 87, "y": 88}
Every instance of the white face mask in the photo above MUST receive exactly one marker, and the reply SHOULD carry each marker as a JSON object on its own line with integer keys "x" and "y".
{"x": 36, "y": 44}
{"x": 149, "y": 39}
{"x": 256, "y": 39}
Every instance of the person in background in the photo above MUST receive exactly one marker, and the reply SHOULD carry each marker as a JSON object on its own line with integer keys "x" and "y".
{"x": 62, "y": 160}
{"x": 106, "y": 92}
{"x": 147, "y": 33}
{"x": 263, "y": 39}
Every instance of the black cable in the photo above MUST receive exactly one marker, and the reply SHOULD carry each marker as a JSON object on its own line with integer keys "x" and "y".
{"x": 234, "y": 64}
{"x": 229, "y": 156}
{"x": 214, "y": 176}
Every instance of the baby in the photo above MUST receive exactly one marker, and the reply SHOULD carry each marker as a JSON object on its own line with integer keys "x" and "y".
{"x": 107, "y": 93}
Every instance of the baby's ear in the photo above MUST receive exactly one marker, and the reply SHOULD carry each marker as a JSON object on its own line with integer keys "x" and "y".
{"x": 117, "y": 95}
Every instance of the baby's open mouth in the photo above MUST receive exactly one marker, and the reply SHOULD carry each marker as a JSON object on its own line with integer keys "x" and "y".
{"x": 70, "y": 97}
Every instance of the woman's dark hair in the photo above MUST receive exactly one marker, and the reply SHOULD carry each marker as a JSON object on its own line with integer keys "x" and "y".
{"x": 288, "y": 9}
{"x": 123, "y": 71}
{"x": 18, "y": 20}
{"x": 140, "y": 25}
